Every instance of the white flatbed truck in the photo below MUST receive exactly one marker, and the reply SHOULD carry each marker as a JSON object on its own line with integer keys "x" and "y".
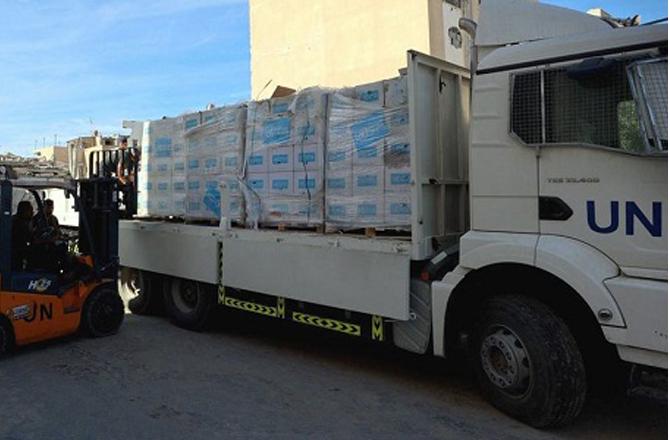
{"x": 538, "y": 233}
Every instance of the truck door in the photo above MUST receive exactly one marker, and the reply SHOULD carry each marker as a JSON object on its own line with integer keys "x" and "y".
{"x": 603, "y": 163}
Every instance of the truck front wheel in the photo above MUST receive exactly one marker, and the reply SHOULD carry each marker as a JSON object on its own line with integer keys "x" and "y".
{"x": 190, "y": 303}
{"x": 527, "y": 361}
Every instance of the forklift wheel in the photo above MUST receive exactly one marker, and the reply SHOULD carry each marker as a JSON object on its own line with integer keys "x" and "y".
{"x": 103, "y": 312}
{"x": 6, "y": 337}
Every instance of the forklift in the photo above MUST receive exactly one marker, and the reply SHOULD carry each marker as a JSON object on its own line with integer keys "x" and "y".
{"x": 52, "y": 285}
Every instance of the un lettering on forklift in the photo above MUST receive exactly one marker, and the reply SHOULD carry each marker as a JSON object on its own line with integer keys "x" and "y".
{"x": 45, "y": 312}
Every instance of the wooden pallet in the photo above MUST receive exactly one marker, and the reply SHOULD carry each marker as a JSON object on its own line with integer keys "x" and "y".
{"x": 202, "y": 222}
{"x": 369, "y": 232}
{"x": 281, "y": 227}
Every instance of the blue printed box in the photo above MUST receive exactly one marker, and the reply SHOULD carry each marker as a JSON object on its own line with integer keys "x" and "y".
{"x": 280, "y": 158}
{"x": 276, "y": 131}
{"x": 368, "y": 180}
{"x": 370, "y": 155}
{"x": 308, "y": 157}
{"x": 339, "y": 182}
{"x": 339, "y": 210}
{"x": 307, "y": 183}
{"x": 369, "y": 129}
{"x": 395, "y": 92}
{"x": 398, "y": 179}
{"x": 372, "y": 93}
{"x": 231, "y": 163}
{"x": 280, "y": 183}
{"x": 398, "y": 152}
{"x": 211, "y": 164}
{"x": 258, "y": 183}
{"x": 397, "y": 210}
{"x": 257, "y": 161}
{"x": 338, "y": 158}
{"x": 368, "y": 210}
{"x": 307, "y": 130}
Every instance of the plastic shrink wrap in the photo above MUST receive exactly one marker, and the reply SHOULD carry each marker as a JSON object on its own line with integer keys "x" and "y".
{"x": 284, "y": 159}
{"x": 214, "y": 158}
{"x": 186, "y": 159}
{"x": 161, "y": 177}
{"x": 368, "y": 175}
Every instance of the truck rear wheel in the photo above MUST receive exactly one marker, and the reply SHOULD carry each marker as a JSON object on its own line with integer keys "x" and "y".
{"x": 103, "y": 312}
{"x": 527, "y": 362}
{"x": 190, "y": 303}
{"x": 141, "y": 291}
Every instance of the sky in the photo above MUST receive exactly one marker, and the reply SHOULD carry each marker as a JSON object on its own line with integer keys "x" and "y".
{"x": 68, "y": 67}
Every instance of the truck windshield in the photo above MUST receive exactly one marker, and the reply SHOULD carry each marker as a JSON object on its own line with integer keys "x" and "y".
{"x": 649, "y": 81}
{"x": 619, "y": 104}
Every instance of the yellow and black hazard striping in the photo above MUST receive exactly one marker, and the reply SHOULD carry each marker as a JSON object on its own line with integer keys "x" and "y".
{"x": 327, "y": 323}
{"x": 328, "y": 318}
{"x": 249, "y": 306}
{"x": 277, "y": 311}
{"x": 377, "y": 328}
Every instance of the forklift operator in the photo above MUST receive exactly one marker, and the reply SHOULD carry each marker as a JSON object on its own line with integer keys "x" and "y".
{"x": 50, "y": 220}
{"x": 22, "y": 233}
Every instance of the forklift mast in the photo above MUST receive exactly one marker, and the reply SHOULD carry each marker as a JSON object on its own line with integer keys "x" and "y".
{"x": 99, "y": 223}
{"x": 121, "y": 164}
{"x": 5, "y": 230}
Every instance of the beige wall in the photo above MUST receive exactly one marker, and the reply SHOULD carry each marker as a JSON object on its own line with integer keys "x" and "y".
{"x": 300, "y": 43}
{"x": 56, "y": 154}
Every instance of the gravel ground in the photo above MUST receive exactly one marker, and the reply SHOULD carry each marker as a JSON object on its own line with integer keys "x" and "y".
{"x": 255, "y": 378}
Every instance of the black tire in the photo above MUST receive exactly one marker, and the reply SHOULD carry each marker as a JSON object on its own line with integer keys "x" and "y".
{"x": 527, "y": 361}
{"x": 190, "y": 304}
{"x": 103, "y": 312}
{"x": 142, "y": 291}
{"x": 6, "y": 337}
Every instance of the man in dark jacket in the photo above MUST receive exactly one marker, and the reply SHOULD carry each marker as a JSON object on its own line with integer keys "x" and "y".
{"x": 22, "y": 234}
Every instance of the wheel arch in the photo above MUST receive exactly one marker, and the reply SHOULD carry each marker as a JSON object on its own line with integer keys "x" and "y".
{"x": 501, "y": 278}
{"x": 475, "y": 286}
{"x": 578, "y": 268}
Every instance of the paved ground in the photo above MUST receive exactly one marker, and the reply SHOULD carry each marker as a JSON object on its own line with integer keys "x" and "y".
{"x": 260, "y": 379}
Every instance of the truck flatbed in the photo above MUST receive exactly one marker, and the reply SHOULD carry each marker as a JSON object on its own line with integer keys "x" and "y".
{"x": 337, "y": 270}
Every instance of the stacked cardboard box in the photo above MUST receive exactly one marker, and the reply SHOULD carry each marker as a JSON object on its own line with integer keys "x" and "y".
{"x": 368, "y": 177}
{"x": 215, "y": 152}
{"x": 162, "y": 177}
{"x": 284, "y": 159}
{"x": 397, "y": 171}
{"x": 280, "y": 162}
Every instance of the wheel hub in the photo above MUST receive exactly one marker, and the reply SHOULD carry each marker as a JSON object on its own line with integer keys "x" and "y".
{"x": 185, "y": 295}
{"x": 505, "y": 361}
{"x": 189, "y": 295}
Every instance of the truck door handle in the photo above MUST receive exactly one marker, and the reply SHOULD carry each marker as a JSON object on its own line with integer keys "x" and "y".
{"x": 554, "y": 208}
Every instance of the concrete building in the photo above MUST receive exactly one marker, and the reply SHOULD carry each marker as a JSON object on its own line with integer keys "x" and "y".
{"x": 79, "y": 150}
{"x": 55, "y": 153}
{"x": 301, "y": 43}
